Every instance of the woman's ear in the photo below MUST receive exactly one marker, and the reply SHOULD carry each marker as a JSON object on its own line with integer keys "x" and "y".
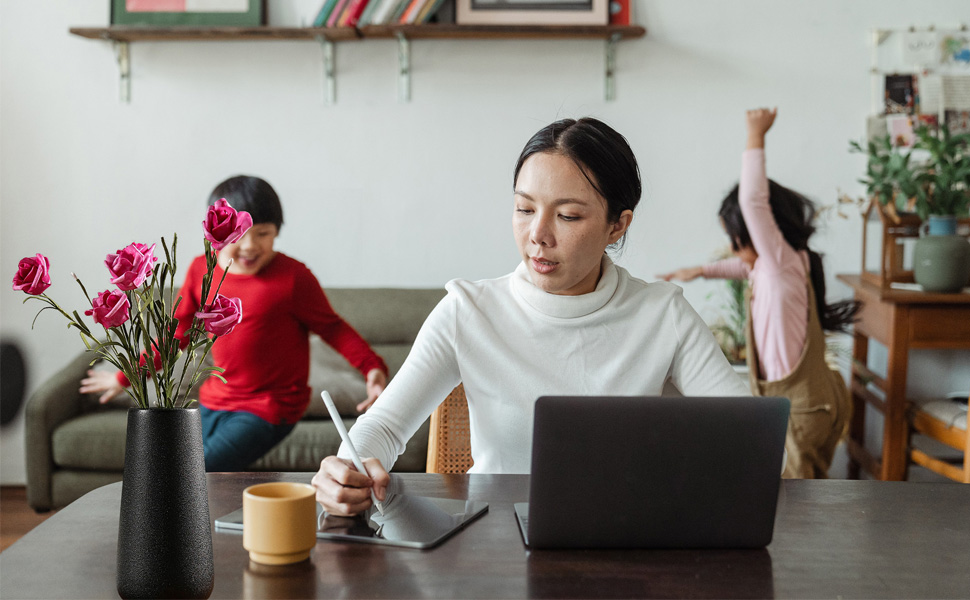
{"x": 621, "y": 225}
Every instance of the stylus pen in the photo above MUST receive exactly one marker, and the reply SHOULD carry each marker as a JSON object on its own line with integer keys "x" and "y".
{"x": 338, "y": 422}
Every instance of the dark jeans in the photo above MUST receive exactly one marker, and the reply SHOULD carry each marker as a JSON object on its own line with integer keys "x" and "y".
{"x": 233, "y": 440}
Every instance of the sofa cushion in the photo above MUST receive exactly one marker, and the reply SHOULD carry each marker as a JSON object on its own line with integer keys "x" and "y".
{"x": 95, "y": 441}
{"x": 330, "y": 371}
{"x": 385, "y": 315}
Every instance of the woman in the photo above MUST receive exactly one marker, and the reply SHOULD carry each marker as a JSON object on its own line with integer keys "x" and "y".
{"x": 566, "y": 321}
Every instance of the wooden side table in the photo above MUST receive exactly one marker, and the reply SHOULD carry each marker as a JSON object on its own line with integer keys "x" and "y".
{"x": 902, "y": 320}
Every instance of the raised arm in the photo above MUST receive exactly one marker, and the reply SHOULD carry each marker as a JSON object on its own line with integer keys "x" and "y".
{"x": 753, "y": 191}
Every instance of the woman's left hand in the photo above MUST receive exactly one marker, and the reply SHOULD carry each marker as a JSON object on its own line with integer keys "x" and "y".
{"x": 376, "y": 382}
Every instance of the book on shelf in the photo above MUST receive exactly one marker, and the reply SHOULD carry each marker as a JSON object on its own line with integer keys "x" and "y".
{"x": 352, "y": 12}
{"x": 399, "y": 8}
{"x": 325, "y": 10}
{"x": 367, "y": 16}
{"x": 411, "y": 12}
{"x": 620, "y": 12}
{"x": 428, "y": 11}
{"x": 338, "y": 10}
{"x": 376, "y": 17}
{"x": 382, "y": 12}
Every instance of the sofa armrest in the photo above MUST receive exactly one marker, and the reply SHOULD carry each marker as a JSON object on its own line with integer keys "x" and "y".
{"x": 54, "y": 402}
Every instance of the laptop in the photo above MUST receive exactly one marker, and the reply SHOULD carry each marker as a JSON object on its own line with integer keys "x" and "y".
{"x": 654, "y": 472}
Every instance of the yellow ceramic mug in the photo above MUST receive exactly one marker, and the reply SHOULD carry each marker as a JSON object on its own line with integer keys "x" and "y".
{"x": 279, "y": 522}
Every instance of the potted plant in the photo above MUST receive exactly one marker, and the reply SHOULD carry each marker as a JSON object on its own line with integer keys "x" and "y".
{"x": 889, "y": 178}
{"x": 164, "y": 537}
{"x": 941, "y": 258}
{"x": 931, "y": 180}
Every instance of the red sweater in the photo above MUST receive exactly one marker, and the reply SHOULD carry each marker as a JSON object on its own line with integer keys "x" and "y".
{"x": 267, "y": 356}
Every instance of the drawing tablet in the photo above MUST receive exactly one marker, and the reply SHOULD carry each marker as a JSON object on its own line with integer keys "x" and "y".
{"x": 409, "y": 521}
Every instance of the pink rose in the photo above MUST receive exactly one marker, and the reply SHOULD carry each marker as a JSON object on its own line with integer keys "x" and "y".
{"x": 32, "y": 275}
{"x": 222, "y": 316}
{"x": 109, "y": 308}
{"x": 223, "y": 225}
{"x": 131, "y": 266}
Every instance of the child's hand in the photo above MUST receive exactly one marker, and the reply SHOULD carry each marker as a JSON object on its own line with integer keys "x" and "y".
{"x": 101, "y": 381}
{"x": 685, "y": 274}
{"x": 376, "y": 382}
{"x": 759, "y": 122}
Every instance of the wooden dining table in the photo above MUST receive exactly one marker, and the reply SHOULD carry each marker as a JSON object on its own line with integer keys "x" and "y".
{"x": 832, "y": 538}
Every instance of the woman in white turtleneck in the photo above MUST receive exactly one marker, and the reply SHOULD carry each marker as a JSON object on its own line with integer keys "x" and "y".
{"x": 567, "y": 321}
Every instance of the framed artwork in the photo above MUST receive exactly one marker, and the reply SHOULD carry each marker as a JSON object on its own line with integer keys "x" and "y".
{"x": 233, "y": 13}
{"x": 532, "y": 12}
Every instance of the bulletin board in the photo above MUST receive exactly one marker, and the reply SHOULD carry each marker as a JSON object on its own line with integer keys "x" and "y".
{"x": 920, "y": 76}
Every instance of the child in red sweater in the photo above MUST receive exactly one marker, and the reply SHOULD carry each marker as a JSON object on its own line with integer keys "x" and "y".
{"x": 267, "y": 357}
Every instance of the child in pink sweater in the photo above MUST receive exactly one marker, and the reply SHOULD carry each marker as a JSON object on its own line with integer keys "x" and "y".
{"x": 769, "y": 227}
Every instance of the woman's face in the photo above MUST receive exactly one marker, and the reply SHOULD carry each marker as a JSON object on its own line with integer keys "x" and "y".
{"x": 560, "y": 225}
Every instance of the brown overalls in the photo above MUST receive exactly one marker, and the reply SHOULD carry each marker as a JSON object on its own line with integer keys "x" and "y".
{"x": 820, "y": 403}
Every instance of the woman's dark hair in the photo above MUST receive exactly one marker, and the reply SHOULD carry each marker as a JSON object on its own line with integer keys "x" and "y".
{"x": 603, "y": 156}
{"x": 253, "y": 195}
{"x": 794, "y": 214}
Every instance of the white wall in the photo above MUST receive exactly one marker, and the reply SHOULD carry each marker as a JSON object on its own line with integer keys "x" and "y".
{"x": 380, "y": 193}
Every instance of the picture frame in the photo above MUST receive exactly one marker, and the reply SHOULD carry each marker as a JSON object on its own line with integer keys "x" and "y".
{"x": 532, "y": 12}
{"x": 200, "y": 13}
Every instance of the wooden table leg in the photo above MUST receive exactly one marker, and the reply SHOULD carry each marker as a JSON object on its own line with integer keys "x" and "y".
{"x": 857, "y": 426}
{"x": 894, "y": 439}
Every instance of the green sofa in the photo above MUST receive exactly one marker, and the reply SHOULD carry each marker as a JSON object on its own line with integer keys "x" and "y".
{"x": 73, "y": 444}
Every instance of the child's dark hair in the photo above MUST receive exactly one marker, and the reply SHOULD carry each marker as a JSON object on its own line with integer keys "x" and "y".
{"x": 600, "y": 152}
{"x": 253, "y": 195}
{"x": 794, "y": 214}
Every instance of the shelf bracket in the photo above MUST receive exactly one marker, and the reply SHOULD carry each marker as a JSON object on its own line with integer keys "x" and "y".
{"x": 404, "y": 66}
{"x": 610, "y": 83}
{"x": 122, "y": 53}
{"x": 329, "y": 70}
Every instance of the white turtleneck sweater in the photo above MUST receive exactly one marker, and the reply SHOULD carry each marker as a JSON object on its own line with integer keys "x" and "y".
{"x": 509, "y": 342}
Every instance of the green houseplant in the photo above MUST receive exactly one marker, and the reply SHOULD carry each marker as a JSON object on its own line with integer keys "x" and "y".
{"x": 889, "y": 179}
{"x": 931, "y": 180}
{"x": 941, "y": 258}
{"x": 729, "y": 330}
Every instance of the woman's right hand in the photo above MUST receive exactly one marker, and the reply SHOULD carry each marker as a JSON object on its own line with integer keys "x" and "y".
{"x": 685, "y": 274}
{"x": 344, "y": 491}
{"x": 101, "y": 382}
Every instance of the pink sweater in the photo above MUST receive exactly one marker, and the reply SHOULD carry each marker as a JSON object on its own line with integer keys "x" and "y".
{"x": 779, "y": 298}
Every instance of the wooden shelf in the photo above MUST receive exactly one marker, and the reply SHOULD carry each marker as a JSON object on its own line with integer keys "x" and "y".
{"x": 448, "y": 31}
{"x": 122, "y": 35}
{"x": 130, "y": 33}
{"x": 127, "y": 33}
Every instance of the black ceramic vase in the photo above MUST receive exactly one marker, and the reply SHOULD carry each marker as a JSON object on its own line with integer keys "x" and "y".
{"x": 164, "y": 534}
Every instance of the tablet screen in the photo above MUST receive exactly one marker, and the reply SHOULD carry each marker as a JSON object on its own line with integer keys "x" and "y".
{"x": 411, "y": 521}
